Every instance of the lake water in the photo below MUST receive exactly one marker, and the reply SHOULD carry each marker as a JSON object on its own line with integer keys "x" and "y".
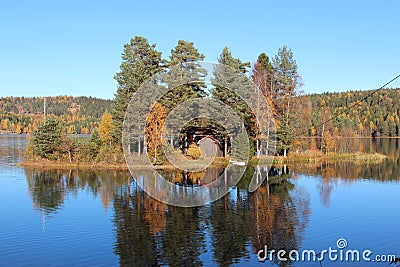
{"x": 101, "y": 218}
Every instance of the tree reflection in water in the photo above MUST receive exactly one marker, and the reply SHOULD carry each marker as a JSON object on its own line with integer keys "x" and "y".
{"x": 238, "y": 225}
{"x": 49, "y": 187}
{"x": 330, "y": 173}
{"x": 225, "y": 232}
{"x": 150, "y": 233}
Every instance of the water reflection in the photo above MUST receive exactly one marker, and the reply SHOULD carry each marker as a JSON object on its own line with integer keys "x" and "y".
{"x": 331, "y": 173}
{"x": 279, "y": 214}
{"x": 12, "y": 149}
{"x": 135, "y": 243}
{"x": 47, "y": 190}
{"x": 148, "y": 232}
{"x": 228, "y": 231}
{"x": 49, "y": 187}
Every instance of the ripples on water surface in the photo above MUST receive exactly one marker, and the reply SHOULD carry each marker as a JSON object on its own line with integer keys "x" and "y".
{"x": 100, "y": 218}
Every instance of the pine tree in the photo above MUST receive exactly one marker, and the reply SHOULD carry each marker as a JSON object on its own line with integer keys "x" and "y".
{"x": 226, "y": 58}
{"x": 284, "y": 93}
{"x": 140, "y": 61}
{"x": 95, "y": 139}
{"x": 385, "y": 129}
{"x": 223, "y": 76}
{"x": 46, "y": 139}
{"x": 184, "y": 78}
{"x": 239, "y": 144}
{"x": 226, "y": 81}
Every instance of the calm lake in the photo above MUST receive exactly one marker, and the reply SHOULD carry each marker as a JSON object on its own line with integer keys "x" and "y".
{"x": 101, "y": 218}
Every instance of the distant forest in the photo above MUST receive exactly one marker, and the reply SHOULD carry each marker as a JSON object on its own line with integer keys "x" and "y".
{"x": 379, "y": 115}
{"x": 77, "y": 114}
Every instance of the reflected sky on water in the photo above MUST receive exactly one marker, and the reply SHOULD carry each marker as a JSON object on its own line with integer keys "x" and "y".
{"x": 77, "y": 217}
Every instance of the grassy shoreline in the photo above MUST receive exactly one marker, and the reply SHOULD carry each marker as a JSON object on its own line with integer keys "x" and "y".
{"x": 47, "y": 164}
{"x": 334, "y": 157}
{"x": 219, "y": 162}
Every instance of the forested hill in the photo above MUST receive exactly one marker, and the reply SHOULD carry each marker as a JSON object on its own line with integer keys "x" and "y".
{"x": 378, "y": 115}
{"x": 79, "y": 114}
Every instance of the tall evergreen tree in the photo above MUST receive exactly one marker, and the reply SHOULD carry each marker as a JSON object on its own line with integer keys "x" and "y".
{"x": 224, "y": 94}
{"x": 140, "y": 61}
{"x": 226, "y": 58}
{"x": 185, "y": 75}
{"x": 226, "y": 81}
{"x": 46, "y": 140}
{"x": 285, "y": 89}
{"x": 185, "y": 79}
{"x": 286, "y": 76}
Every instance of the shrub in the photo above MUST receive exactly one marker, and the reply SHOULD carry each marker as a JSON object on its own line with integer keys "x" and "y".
{"x": 194, "y": 152}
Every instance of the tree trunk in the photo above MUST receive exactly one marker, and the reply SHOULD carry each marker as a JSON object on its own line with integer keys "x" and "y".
{"x": 139, "y": 147}
{"x": 226, "y": 147}
{"x": 267, "y": 145}
{"x": 323, "y": 132}
{"x": 258, "y": 148}
{"x": 69, "y": 155}
{"x": 172, "y": 139}
{"x": 322, "y": 135}
{"x": 155, "y": 144}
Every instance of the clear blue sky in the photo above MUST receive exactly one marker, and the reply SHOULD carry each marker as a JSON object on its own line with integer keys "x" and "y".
{"x": 74, "y": 47}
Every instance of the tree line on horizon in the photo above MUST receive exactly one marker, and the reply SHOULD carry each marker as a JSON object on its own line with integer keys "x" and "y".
{"x": 78, "y": 115}
{"x": 379, "y": 115}
{"x": 299, "y": 118}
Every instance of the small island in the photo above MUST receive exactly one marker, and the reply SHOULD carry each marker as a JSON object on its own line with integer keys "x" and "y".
{"x": 308, "y": 127}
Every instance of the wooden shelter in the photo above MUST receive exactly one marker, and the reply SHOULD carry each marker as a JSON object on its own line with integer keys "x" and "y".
{"x": 194, "y": 134}
{"x": 210, "y": 146}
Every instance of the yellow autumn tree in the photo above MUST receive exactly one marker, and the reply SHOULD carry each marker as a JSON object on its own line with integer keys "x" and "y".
{"x": 153, "y": 131}
{"x": 18, "y": 129}
{"x": 328, "y": 143}
{"x": 4, "y": 124}
{"x": 105, "y": 128}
